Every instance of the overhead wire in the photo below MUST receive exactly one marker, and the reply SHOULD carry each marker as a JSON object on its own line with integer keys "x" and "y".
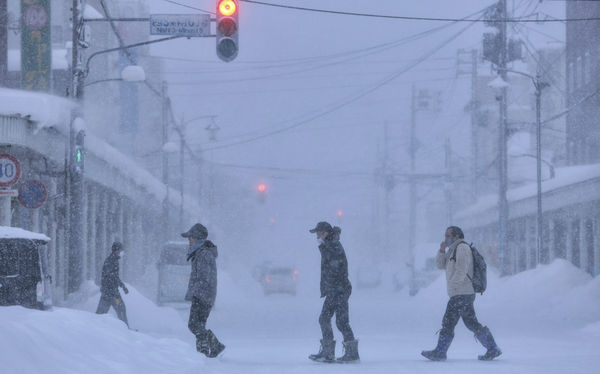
{"x": 353, "y": 98}
{"x": 414, "y": 18}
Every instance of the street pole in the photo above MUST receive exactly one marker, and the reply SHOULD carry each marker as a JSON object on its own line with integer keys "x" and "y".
{"x": 474, "y": 132}
{"x": 412, "y": 215}
{"x": 538, "y": 153}
{"x": 165, "y": 160}
{"x": 502, "y": 150}
{"x": 75, "y": 179}
{"x": 181, "y": 167}
{"x": 447, "y": 185}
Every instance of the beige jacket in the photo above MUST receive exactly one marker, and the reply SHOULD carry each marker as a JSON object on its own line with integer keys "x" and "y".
{"x": 458, "y": 283}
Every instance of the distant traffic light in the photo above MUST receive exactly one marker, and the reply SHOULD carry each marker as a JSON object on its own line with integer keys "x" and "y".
{"x": 262, "y": 192}
{"x": 340, "y": 213}
{"x": 227, "y": 29}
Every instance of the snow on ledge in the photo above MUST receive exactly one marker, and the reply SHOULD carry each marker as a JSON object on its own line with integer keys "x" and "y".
{"x": 7, "y": 232}
{"x": 44, "y": 109}
{"x": 564, "y": 177}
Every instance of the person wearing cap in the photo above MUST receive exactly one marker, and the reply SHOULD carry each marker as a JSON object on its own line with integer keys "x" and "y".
{"x": 202, "y": 288}
{"x": 336, "y": 289}
{"x": 110, "y": 283}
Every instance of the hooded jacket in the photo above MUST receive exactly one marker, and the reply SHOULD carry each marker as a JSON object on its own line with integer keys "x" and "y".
{"x": 457, "y": 271}
{"x": 203, "y": 278}
{"x": 334, "y": 265}
{"x": 110, "y": 282}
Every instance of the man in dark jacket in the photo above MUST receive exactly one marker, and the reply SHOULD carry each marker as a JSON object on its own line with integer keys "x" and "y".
{"x": 336, "y": 289}
{"x": 110, "y": 283}
{"x": 202, "y": 289}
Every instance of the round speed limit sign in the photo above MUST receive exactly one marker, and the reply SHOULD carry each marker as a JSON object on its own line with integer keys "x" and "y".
{"x": 10, "y": 170}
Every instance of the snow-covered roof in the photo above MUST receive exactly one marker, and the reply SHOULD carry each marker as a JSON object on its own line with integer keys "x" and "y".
{"x": 564, "y": 177}
{"x": 45, "y": 109}
{"x": 7, "y": 232}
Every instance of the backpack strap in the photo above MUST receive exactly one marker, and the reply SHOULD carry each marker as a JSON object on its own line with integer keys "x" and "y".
{"x": 453, "y": 258}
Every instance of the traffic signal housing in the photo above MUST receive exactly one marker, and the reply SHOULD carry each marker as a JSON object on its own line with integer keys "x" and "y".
{"x": 227, "y": 29}
{"x": 78, "y": 152}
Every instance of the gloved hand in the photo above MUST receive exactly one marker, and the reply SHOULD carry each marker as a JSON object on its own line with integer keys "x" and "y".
{"x": 125, "y": 290}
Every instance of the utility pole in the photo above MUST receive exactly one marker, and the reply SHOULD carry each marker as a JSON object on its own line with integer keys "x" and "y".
{"x": 75, "y": 178}
{"x": 471, "y": 62}
{"x": 388, "y": 186}
{"x": 181, "y": 131}
{"x": 502, "y": 147}
{"x": 3, "y": 42}
{"x": 165, "y": 160}
{"x": 412, "y": 210}
{"x": 448, "y": 185}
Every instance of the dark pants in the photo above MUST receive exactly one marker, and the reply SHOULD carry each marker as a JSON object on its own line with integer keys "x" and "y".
{"x": 460, "y": 306}
{"x": 199, "y": 313}
{"x": 338, "y": 305}
{"x": 116, "y": 302}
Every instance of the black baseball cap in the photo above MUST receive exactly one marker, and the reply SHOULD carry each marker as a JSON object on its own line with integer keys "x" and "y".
{"x": 321, "y": 227}
{"x": 198, "y": 231}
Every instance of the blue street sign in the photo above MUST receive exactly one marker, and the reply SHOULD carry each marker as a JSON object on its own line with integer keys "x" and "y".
{"x": 32, "y": 194}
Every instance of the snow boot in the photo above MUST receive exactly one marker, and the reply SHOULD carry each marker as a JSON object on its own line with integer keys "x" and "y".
{"x": 202, "y": 344}
{"x": 216, "y": 347}
{"x": 326, "y": 352}
{"x": 350, "y": 352}
{"x": 439, "y": 353}
{"x": 487, "y": 340}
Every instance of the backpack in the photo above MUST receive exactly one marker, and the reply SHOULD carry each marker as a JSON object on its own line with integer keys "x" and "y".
{"x": 479, "y": 279}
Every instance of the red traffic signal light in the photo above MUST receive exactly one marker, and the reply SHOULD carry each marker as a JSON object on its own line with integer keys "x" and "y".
{"x": 227, "y": 29}
{"x": 262, "y": 188}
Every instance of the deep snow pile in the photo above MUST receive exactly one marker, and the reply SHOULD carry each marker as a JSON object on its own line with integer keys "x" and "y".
{"x": 268, "y": 334}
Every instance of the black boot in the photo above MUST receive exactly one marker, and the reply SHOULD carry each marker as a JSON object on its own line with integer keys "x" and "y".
{"x": 439, "y": 353}
{"x": 216, "y": 347}
{"x": 350, "y": 352}
{"x": 487, "y": 340}
{"x": 202, "y": 344}
{"x": 326, "y": 352}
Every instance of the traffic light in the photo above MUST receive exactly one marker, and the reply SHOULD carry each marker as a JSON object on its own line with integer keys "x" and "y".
{"x": 78, "y": 152}
{"x": 227, "y": 29}
{"x": 262, "y": 192}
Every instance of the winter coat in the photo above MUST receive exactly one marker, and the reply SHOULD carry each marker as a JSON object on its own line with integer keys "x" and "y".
{"x": 334, "y": 265}
{"x": 110, "y": 282}
{"x": 203, "y": 279}
{"x": 457, "y": 271}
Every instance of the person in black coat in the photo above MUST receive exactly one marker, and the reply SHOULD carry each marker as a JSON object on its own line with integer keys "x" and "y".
{"x": 110, "y": 283}
{"x": 202, "y": 289}
{"x": 336, "y": 289}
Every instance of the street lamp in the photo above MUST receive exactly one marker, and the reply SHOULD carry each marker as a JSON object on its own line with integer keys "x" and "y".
{"x": 539, "y": 85}
{"x": 131, "y": 74}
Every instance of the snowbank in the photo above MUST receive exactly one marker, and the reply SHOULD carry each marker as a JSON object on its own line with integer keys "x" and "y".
{"x": 7, "y": 232}
{"x": 142, "y": 313}
{"x": 71, "y": 341}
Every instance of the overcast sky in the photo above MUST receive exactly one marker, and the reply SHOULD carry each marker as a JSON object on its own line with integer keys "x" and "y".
{"x": 327, "y": 84}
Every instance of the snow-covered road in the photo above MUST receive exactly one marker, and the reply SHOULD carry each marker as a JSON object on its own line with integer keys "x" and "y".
{"x": 546, "y": 321}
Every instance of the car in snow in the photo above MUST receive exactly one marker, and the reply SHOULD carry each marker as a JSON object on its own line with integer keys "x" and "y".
{"x": 24, "y": 275}
{"x": 173, "y": 272}
{"x": 279, "y": 279}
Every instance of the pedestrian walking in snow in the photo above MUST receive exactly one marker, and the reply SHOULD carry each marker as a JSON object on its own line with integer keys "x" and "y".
{"x": 458, "y": 262}
{"x": 202, "y": 288}
{"x": 110, "y": 283}
{"x": 336, "y": 289}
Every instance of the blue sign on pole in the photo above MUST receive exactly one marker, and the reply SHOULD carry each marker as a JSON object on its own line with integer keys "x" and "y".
{"x": 32, "y": 194}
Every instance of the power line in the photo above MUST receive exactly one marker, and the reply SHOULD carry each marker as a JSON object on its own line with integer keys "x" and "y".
{"x": 352, "y": 98}
{"x": 413, "y": 18}
{"x": 187, "y": 6}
